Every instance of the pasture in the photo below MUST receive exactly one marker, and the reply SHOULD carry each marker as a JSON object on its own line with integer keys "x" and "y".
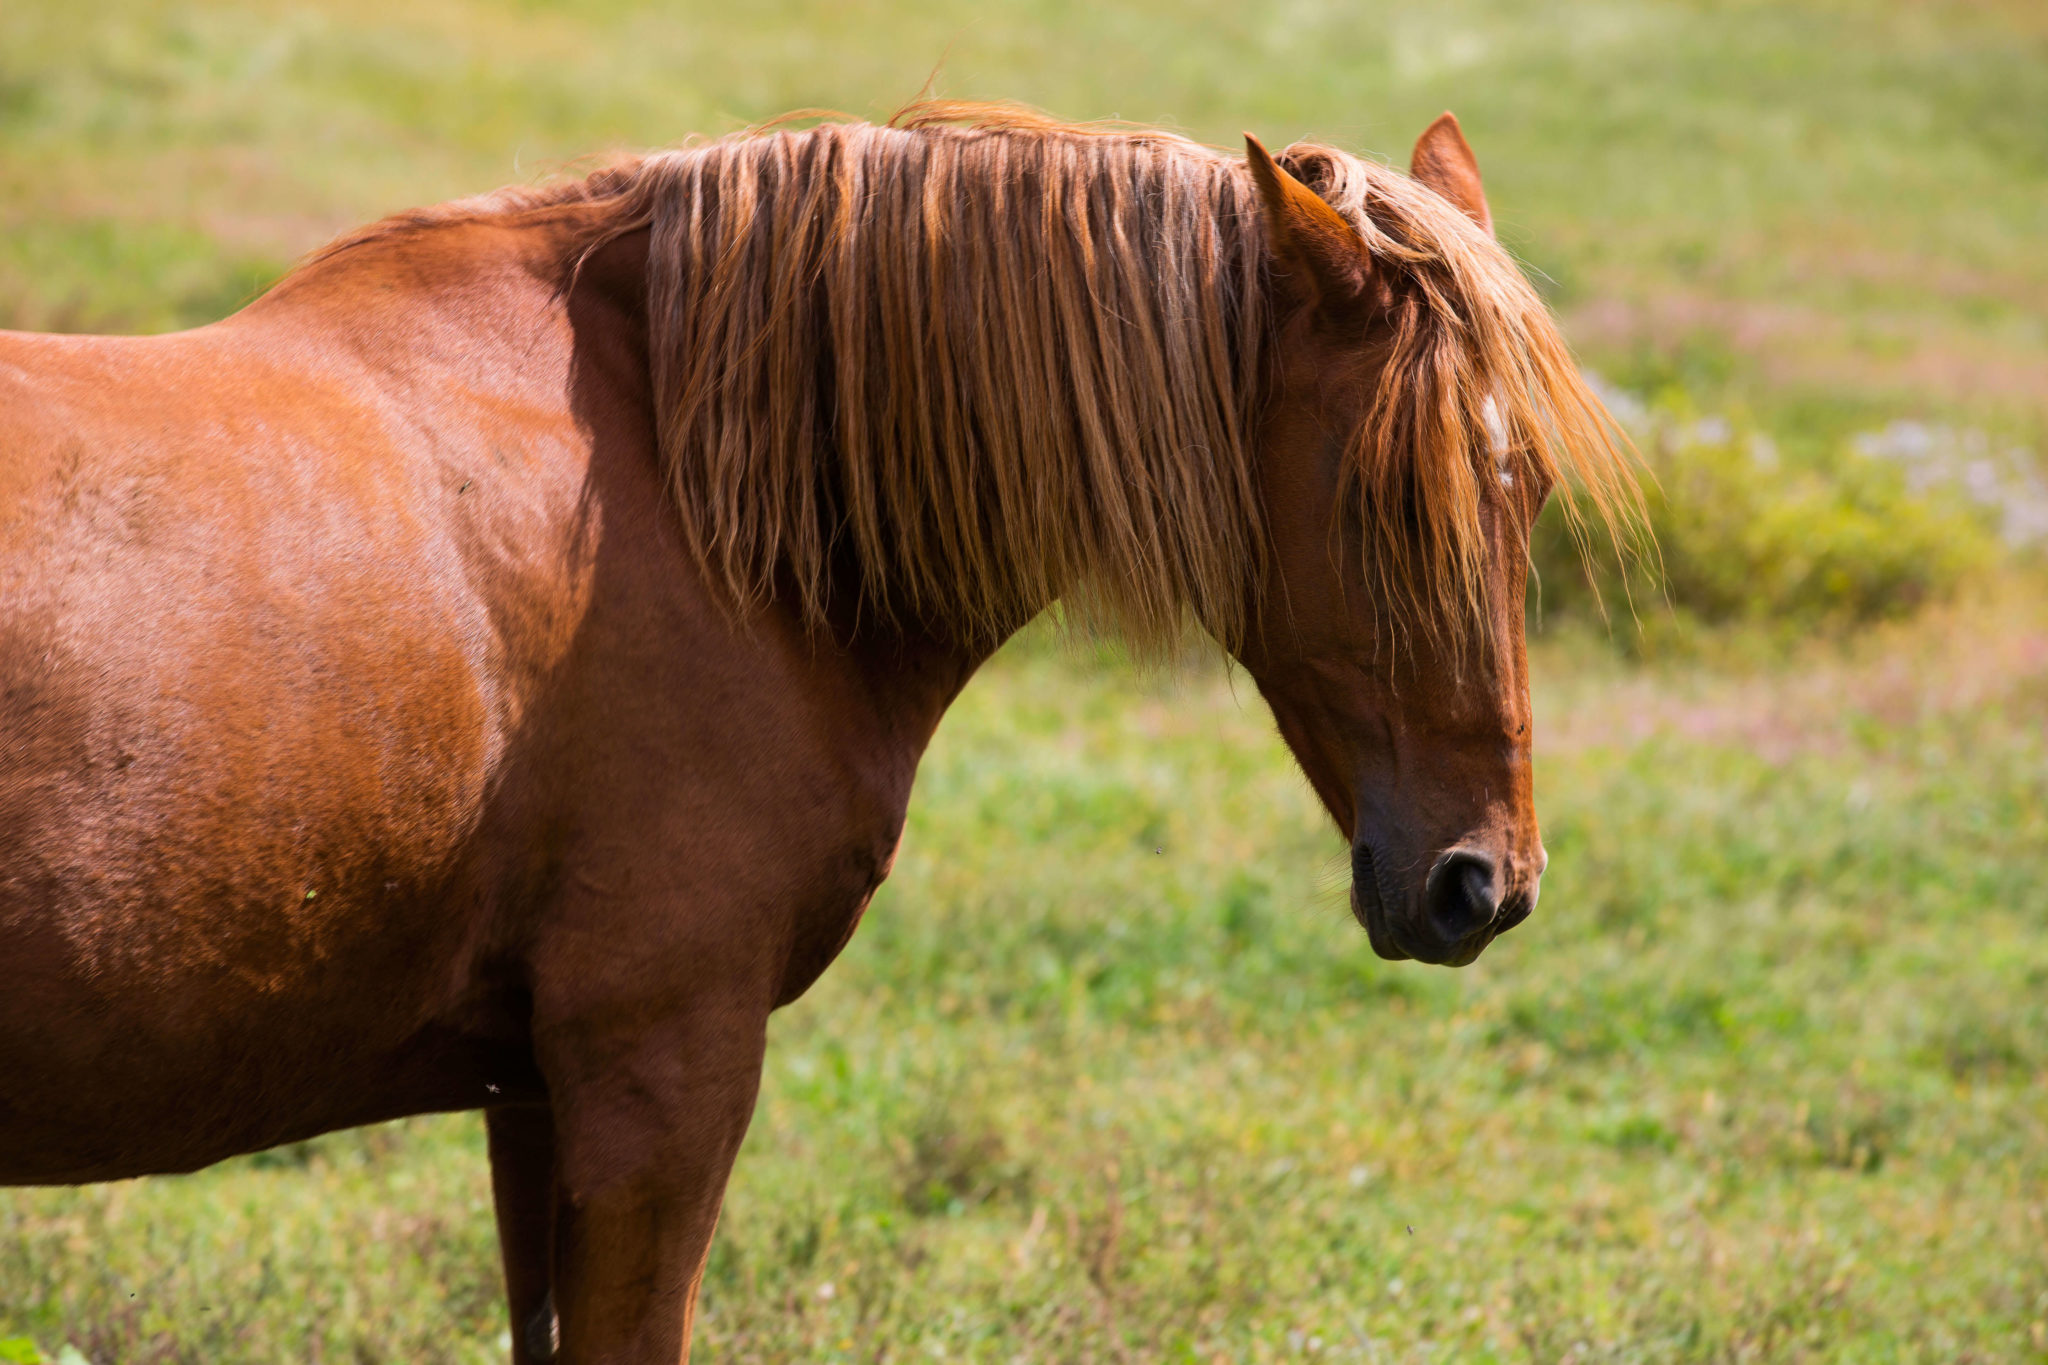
{"x": 1109, "y": 1074}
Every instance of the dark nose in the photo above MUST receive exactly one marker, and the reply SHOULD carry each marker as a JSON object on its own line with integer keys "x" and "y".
{"x": 1463, "y": 895}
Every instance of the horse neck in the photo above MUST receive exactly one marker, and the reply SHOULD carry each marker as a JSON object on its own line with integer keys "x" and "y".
{"x": 910, "y": 672}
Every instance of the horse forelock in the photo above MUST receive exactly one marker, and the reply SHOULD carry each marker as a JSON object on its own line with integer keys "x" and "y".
{"x": 984, "y": 359}
{"x": 1479, "y": 401}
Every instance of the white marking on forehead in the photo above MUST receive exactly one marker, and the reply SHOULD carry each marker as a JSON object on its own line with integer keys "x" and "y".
{"x": 1496, "y": 428}
{"x": 1497, "y": 440}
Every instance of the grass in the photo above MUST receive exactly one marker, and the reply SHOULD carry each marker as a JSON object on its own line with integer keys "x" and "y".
{"x": 1828, "y": 209}
{"x": 1109, "y": 1074}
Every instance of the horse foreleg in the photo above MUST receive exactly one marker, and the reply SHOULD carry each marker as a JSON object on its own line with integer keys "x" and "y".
{"x": 647, "y": 1133}
{"x": 523, "y": 1188}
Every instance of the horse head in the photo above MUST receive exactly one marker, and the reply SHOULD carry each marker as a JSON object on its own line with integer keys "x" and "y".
{"x": 1410, "y": 440}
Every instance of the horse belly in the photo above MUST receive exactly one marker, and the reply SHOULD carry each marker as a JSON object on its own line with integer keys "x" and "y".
{"x": 126, "y": 1096}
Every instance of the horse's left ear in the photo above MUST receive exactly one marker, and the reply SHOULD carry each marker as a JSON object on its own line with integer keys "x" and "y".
{"x": 1443, "y": 161}
{"x": 1323, "y": 257}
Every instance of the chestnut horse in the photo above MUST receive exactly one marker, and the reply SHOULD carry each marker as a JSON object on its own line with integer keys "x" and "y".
{"x": 488, "y": 671}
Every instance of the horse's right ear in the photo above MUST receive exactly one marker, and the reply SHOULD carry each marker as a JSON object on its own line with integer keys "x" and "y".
{"x": 1443, "y": 161}
{"x": 1322, "y": 256}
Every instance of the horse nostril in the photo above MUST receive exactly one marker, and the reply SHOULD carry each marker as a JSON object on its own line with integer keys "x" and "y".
{"x": 1463, "y": 895}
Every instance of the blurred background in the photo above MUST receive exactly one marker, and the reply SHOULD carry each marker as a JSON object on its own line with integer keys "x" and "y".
{"x": 1109, "y": 1074}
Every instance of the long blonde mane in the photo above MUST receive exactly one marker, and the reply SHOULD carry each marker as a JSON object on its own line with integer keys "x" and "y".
{"x": 982, "y": 360}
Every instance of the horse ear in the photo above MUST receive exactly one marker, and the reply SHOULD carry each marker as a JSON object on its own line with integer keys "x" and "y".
{"x": 1443, "y": 161}
{"x": 1324, "y": 257}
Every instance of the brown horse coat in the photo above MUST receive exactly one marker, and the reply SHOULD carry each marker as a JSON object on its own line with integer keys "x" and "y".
{"x": 482, "y": 673}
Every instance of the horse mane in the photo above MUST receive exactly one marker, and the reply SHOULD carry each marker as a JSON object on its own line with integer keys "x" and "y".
{"x": 984, "y": 359}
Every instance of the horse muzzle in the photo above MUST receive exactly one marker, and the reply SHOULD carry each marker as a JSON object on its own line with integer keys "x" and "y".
{"x": 1465, "y": 903}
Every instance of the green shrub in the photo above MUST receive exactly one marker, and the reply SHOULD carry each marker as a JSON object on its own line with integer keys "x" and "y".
{"x": 1745, "y": 535}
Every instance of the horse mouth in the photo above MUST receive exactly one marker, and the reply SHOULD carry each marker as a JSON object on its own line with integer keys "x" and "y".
{"x": 1369, "y": 906}
{"x": 1382, "y": 941}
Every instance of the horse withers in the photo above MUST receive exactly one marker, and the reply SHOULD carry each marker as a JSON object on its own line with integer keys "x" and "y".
{"x": 488, "y": 671}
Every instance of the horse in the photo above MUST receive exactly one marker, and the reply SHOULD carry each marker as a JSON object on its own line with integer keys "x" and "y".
{"x": 488, "y": 670}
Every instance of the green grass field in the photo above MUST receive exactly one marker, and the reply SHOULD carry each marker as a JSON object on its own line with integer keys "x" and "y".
{"x": 1109, "y": 1074}
{"x": 1829, "y": 208}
